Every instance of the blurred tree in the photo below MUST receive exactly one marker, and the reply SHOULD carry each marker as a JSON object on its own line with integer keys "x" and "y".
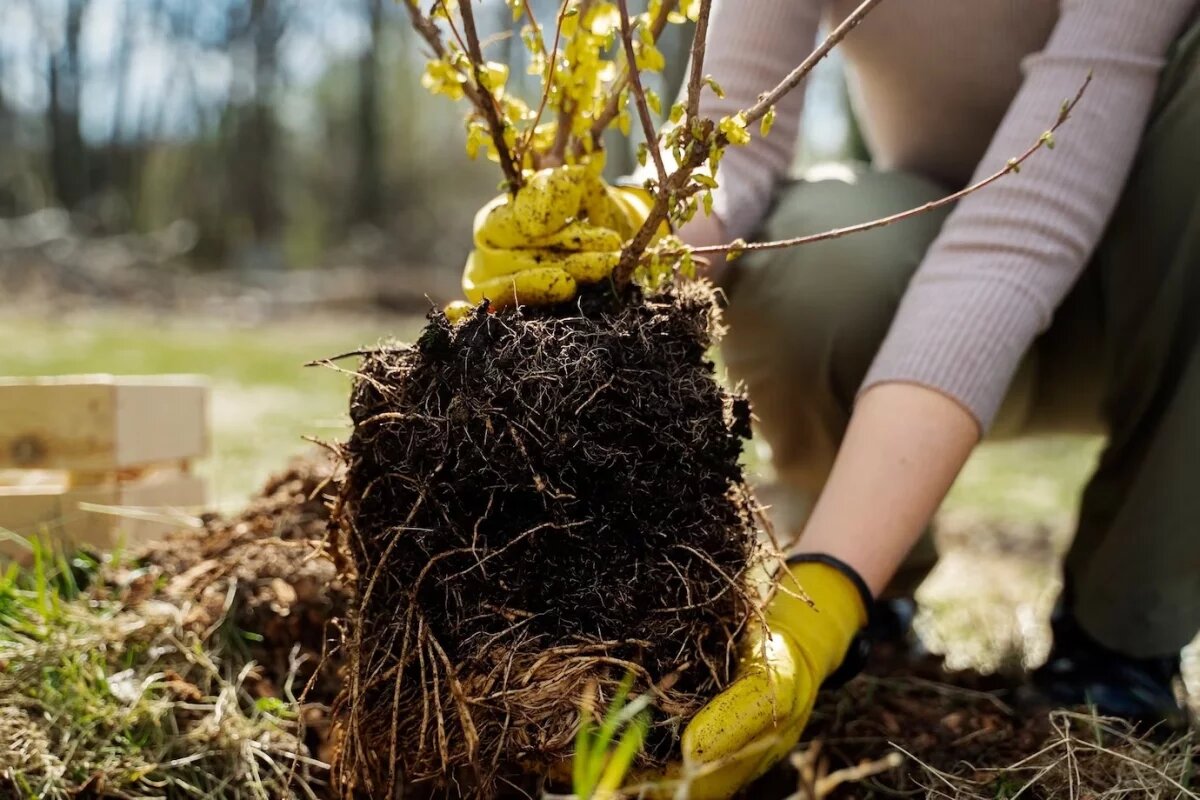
{"x": 67, "y": 154}
{"x": 251, "y": 155}
{"x": 369, "y": 175}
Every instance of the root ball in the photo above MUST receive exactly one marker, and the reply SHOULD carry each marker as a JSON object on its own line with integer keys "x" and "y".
{"x": 537, "y": 504}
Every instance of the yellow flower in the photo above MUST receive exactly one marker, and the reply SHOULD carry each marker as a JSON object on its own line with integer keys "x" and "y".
{"x": 734, "y": 129}
{"x": 442, "y": 78}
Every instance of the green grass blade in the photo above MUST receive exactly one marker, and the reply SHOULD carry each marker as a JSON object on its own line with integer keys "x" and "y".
{"x": 632, "y": 739}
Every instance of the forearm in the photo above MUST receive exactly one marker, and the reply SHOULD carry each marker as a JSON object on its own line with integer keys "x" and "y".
{"x": 903, "y": 449}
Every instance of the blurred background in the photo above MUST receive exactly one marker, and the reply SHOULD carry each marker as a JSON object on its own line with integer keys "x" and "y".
{"x": 236, "y": 187}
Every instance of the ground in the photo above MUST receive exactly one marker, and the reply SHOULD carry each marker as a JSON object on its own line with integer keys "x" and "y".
{"x": 985, "y": 605}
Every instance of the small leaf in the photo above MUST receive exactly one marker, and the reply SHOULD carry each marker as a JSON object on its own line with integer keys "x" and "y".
{"x": 624, "y": 123}
{"x": 734, "y": 129}
{"x": 707, "y": 199}
{"x": 704, "y": 180}
{"x": 653, "y": 101}
{"x": 1048, "y": 140}
{"x": 716, "y": 87}
{"x": 687, "y": 265}
{"x": 736, "y": 248}
{"x": 767, "y": 121}
{"x": 677, "y": 111}
{"x": 1014, "y": 165}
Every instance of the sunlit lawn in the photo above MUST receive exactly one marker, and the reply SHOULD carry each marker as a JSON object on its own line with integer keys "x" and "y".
{"x": 265, "y": 400}
{"x": 263, "y": 397}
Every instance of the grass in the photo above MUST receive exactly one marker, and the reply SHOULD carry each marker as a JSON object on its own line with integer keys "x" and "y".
{"x": 264, "y": 399}
{"x": 99, "y": 701}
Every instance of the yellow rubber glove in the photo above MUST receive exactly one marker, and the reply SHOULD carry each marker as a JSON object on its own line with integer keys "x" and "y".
{"x": 563, "y": 228}
{"x": 758, "y": 720}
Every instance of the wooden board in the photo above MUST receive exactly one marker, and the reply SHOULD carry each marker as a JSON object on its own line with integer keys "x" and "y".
{"x": 97, "y": 423}
{"x": 142, "y": 511}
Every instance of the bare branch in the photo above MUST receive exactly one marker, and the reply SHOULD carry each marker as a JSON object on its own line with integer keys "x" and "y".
{"x": 610, "y": 112}
{"x": 699, "y": 46}
{"x": 639, "y": 94}
{"x": 428, "y": 30}
{"x": 695, "y": 153}
{"x": 562, "y": 135}
{"x": 797, "y": 75}
{"x": 1013, "y": 165}
{"x": 491, "y": 113}
{"x": 551, "y": 65}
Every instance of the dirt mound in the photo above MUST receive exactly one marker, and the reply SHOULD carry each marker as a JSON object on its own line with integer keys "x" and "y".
{"x": 538, "y": 503}
{"x": 264, "y": 574}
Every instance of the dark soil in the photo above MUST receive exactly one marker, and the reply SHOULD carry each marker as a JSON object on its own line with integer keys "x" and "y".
{"x": 537, "y": 504}
{"x": 956, "y": 723}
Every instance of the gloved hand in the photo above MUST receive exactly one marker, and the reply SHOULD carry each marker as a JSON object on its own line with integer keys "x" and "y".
{"x": 758, "y": 720}
{"x": 564, "y": 227}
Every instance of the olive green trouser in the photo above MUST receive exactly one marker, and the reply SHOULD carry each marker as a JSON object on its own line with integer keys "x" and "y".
{"x": 1122, "y": 357}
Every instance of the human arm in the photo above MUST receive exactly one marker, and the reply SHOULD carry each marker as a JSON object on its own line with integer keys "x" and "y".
{"x": 985, "y": 291}
{"x": 1008, "y": 255}
{"x": 902, "y": 450}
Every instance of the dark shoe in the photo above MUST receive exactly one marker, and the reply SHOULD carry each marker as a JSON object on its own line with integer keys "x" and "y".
{"x": 1083, "y": 672}
{"x": 891, "y": 622}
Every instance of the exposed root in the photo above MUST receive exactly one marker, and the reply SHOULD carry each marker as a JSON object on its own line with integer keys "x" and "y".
{"x": 537, "y": 504}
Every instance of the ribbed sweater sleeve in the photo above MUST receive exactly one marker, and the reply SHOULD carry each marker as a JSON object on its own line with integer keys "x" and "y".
{"x": 1009, "y": 254}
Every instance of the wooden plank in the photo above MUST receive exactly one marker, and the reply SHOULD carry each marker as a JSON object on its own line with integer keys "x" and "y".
{"x": 95, "y": 423}
{"x": 144, "y": 510}
{"x": 163, "y": 422}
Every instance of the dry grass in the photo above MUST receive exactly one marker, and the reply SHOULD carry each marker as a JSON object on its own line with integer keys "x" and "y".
{"x": 1086, "y": 757}
{"x": 99, "y": 701}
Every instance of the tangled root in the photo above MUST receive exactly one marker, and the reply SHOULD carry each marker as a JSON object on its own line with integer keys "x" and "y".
{"x": 536, "y": 505}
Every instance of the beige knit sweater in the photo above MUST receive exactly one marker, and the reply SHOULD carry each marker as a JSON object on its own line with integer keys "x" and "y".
{"x": 952, "y": 89}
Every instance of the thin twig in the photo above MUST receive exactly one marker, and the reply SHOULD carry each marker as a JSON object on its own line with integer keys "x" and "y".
{"x": 613, "y": 108}
{"x": 1013, "y": 165}
{"x": 551, "y": 66}
{"x": 480, "y": 98}
{"x": 536, "y": 26}
{"x": 562, "y": 134}
{"x": 697, "y": 148}
{"x": 490, "y": 111}
{"x": 639, "y": 93}
{"x": 699, "y": 47}
{"x": 797, "y": 75}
